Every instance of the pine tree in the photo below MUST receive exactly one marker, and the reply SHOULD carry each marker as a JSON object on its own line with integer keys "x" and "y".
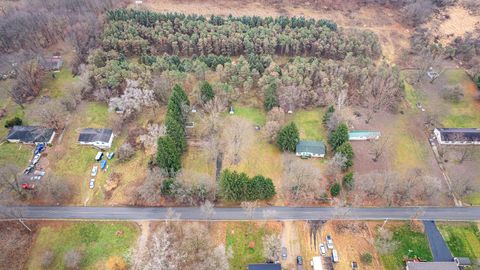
{"x": 339, "y": 136}
{"x": 348, "y": 181}
{"x": 288, "y": 138}
{"x": 347, "y": 151}
{"x": 270, "y": 99}
{"x": 177, "y": 132}
{"x": 328, "y": 114}
{"x": 335, "y": 190}
{"x": 168, "y": 157}
{"x": 206, "y": 92}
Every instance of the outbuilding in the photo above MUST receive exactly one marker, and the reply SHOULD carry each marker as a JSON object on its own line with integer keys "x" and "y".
{"x": 31, "y": 135}
{"x": 306, "y": 149}
{"x": 363, "y": 135}
{"x": 457, "y": 136}
{"x": 431, "y": 266}
{"x": 265, "y": 266}
{"x": 98, "y": 137}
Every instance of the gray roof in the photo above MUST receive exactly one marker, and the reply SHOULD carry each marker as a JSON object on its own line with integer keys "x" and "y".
{"x": 30, "y": 134}
{"x": 265, "y": 266}
{"x": 51, "y": 63}
{"x": 314, "y": 147}
{"x": 95, "y": 135}
{"x": 460, "y": 134}
{"x": 432, "y": 265}
{"x": 463, "y": 260}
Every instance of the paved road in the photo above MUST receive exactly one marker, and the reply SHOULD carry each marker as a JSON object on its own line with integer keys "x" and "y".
{"x": 275, "y": 213}
{"x": 439, "y": 248}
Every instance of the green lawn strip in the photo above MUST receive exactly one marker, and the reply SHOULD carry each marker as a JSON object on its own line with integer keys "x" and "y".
{"x": 309, "y": 123}
{"x": 456, "y": 76}
{"x": 463, "y": 239}
{"x": 58, "y": 86}
{"x": 411, "y": 95}
{"x": 411, "y": 244}
{"x": 239, "y": 237}
{"x": 96, "y": 241}
{"x": 96, "y": 116}
{"x": 256, "y": 115}
{"x": 16, "y": 154}
{"x": 473, "y": 198}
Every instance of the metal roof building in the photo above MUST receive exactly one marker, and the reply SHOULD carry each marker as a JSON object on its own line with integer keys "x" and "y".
{"x": 310, "y": 149}
{"x": 30, "y": 134}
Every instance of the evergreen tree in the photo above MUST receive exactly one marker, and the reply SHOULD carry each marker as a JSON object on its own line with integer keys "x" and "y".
{"x": 176, "y": 131}
{"x": 206, "y": 92}
{"x": 260, "y": 188}
{"x": 233, "y": 185}
{"x": 335, "y": 189}
{"x": 328, "y": 114}
{"x": 288, "y": 138}
{"x": 270, "y": 99}
{"x": 348, "y": 181}
{"x": 338, "y": 136}
{"x": 347, "y": 151}
{"x": 168, "y": 157}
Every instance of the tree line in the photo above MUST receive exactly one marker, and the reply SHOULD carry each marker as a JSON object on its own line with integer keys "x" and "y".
{"x": 136, "y": 32}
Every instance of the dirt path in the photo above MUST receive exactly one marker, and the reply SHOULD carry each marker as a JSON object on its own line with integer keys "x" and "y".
{"x": 142, "y": 241}
{"x": 290, "y": 240}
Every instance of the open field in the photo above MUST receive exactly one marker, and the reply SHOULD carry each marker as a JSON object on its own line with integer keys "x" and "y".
{"x": 463, "y": 239}
{"x": 15, "y": 154}
{"x": 96, "y": 242}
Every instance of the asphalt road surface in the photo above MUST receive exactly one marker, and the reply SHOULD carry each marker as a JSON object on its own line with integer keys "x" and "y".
{"x": 439, "y": 248}
{"x": 273, "y": 213}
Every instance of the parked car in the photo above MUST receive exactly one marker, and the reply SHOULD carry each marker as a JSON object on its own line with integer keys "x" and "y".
{"x": 299, "y": 260}
{"x": 284, "y": 253}
{"x": 334, "y": 256}
{"x": 92, "y": 183}
{"x": 94, "y": 171}
{"x": 36, "y": 158}
{"x": 28, "y": 169}
{"x": 36, "y": 178}
{"x": 103, "y": 164}
{"x": 39, "y": 173}
{"x": 323, "y": 251}
{"x": 40, "y": 147}
{"x": 329, "y": 242}
{"x": 28, "y": 186}
{"x": 110, "y": 155}
{"x": 99, "y": 156}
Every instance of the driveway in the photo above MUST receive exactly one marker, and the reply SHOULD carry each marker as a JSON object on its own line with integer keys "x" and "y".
{"x": 439, "y": 248}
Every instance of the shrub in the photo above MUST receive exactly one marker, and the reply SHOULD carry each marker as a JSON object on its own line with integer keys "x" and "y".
{"x": 478, "y": 81}
{"x": 125, "y": 152}
{"x": 335, "y": 189}
{"x": 348, "y": 181}
{"x": 328, "y": 114}
{"x": 366, "y": 258}
{"x": 452, "y": 94}
{"x": 16, "y": 121}
{"x": 206, "y": 92}
{"x": 288, "y": 138}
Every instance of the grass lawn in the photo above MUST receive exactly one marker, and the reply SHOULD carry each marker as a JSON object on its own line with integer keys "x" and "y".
{"x": 463, "y": 239}
{"x": 411, "y": 244}
{"x": 246, "y": 242}
{"x": 474, "y": 198}
{"x": 56, "y": 87}
{"x": 309, "y": 123}
{"x": 97, "y": 242}
{"x": 411, "y": 95}
{"x": 256, "y": 115}
{"x": 16, "y": 154}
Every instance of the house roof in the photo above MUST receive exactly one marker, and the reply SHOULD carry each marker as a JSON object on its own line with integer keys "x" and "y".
{"x": 432, "y": 265}
{"x": 363, "y": 133}
{"x": 314, "y": 147}
{"x": 95, "y": 135}
{"x": 51, "y": 63}
{"x": 30, "y": 134}
{"x": 460, "y": 134}
{"x": 265, "y": 266}
{"x": 463, "y": 260}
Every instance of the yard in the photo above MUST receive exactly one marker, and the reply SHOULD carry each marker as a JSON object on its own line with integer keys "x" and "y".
{"x": 96, "y": 242}
{"x": 15, "y": 154}
{"x": 463, "y": 239}
{"x": 411, "y": 243}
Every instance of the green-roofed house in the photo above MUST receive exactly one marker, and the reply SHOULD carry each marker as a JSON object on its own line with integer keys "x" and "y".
{"x": 363, "y": 135}
{"x": 306, "y": 149}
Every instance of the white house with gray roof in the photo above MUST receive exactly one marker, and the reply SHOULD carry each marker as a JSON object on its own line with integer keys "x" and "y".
{"x": 98, "y": 137}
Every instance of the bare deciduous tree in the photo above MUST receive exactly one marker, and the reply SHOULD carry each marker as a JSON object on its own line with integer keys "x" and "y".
{"x": 133, "y": 100}
{"x": 10, "y": 182}
{"x": 125, "y": 152}
{"x": 384, "y": 241}
{"x": 150, "y": 190}
{"x": 150, "y": 139}
{"x": 272, "y": 247}
{"x": 238, "y": 137}
{"x": 54, "y": 189}
{"x": 301, "y": 182}
{"x": 377, "y": 148}
{"x": 207, "y": 209}
{"x": 29, "y": 82}
{"x": 53, "y": 115}
{"x": 72, "y": 259}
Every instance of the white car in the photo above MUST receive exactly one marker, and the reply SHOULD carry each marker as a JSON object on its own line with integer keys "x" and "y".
{"x": 329, "y": 242}
{"x": 94, "y": 171}
{"x": 323, "y": 251}
{"x": 92, "y": 183}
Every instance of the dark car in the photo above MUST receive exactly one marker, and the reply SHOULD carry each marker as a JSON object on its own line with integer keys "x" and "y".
{"x": 299, "y": 260}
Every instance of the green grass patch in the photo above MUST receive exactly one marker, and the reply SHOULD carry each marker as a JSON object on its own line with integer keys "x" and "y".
{"x": 411, "y": 95}
{"x": 411, "y": 244}
{"x": 96, "y": 116}
{"x": 246, "y": 242}
{"x": 474, "y": 198}
{"x": 309, "y": 123}
{"x": 97, "y": 241}
{"x": 255, "y": 115}
{"x": 463, "y": 239}
{"x": 57, "y": 87}
{"x": 456, "y": 76}
{"x": 409, "y": 152}
{"x": 16, "y": 154}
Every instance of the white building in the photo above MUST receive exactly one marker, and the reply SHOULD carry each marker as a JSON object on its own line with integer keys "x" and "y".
{"x": 98, "y": 137}
{"x": 457, "y": 136}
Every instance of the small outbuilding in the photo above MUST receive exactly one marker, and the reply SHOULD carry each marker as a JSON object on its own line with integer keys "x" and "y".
{"x": 431, "y": 266}
{"x": 53, "y": 63}
{"x": 462, "y": 262}
{"x": 306, "y": 149}
{"x": 98, "y": 137}
{"x": 457, "y": 136}
{"x": 31, "y": 135}
{"x": 363, "y": 135}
